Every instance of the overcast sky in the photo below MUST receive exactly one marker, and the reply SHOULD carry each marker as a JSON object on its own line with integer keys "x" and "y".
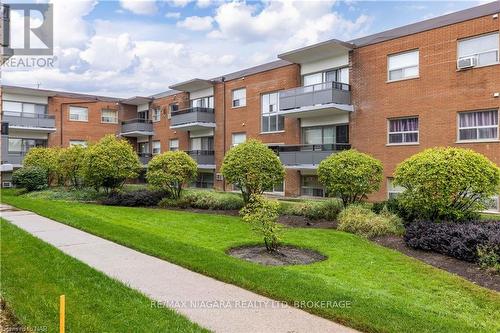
{"x": 125, "y": 48}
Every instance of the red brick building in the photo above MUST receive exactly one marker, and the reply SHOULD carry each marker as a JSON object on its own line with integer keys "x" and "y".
{"x": 392, "y": 94}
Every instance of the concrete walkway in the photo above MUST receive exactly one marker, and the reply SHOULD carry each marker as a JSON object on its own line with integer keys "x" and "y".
{"x": 215, "y": 305}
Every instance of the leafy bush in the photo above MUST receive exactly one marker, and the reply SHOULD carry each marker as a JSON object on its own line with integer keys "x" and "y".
{"x": 447, "y": 183}
{"x": 313, "y": 209}
{"x": 394, "y": 206}
{"x": 459, "y": 240}
{"x": 252, "y": 167}
{"x": 170, "y": 170}
{"x": 109, "y": 163}
{"x": 80, "y": 195}
{"x": 489, "y": 257}
{"x": 364, "y": 222}
{"x": 205, "y": 200}
{"x": 44, "y": 158}
{"x": 30, "y": 178}
{"x": 263, "y": 214}
{"x": 70, "y": 165}
{"x": 140, "y": 198}
{"x": 181, "y": 202}
{"x": 350, "y": 175}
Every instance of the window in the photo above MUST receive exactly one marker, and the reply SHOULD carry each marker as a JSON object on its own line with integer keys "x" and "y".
{"x": 143, "y": 148}
{"x": 239, "y": 138}
{"x": 143, "y": 115}
{"x": 310, "y": 186}
{"x": 483, "y": 48}
{"x": 156, "y": 114}
{"x": 239, "y": 97}
{"x": 173, "y": 144}
{"x": 271, "y": 121}
{"x": 204, "y": 180}
{"x": 156, "y": 147}
{"x": 403, "y": 65}
{"x": 203, "y": 143}
{"x": 20, "y": 145}
{"x": 203, "y": 102}
{"x": 82, "y": 143}
{"x": 478, "y": 125}
{"x": 393, "y": 190}
{"x": 403, "y": 131}
{"x": 493, "y": 204}
{"x": 109, "y": 116}
{"x": 78, "y": 113}
{"x": 334, "y": 75}
{"x": 277, "y": 188}
{"x": 325, "y": 134}
{"x": 172, "y": 108}
{"x": 23, "y": 109}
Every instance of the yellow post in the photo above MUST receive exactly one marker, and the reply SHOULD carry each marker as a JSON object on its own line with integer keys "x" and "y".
{"x": 62, "y": 314}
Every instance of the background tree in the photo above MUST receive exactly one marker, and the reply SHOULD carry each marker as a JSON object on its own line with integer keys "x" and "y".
{"x": 109, "y": 163}
{"x": 447, "y": 183}
{"x": 44, "y": 158}
{"x": 350, "y": 175}
{"x": 70, "y": 165}
{"x": 170, "y": 170}
{"x": 253, "y": 167}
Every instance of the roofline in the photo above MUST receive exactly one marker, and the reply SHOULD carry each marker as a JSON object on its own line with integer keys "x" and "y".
{"x": 58, "y": 93}
{"x": 326, "y": 42}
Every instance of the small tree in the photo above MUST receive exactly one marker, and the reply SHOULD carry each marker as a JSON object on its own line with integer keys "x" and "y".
{"x": 350, "y": 175}
{"x": 109, "y": 163}
{"x": 263, "y": 214}
{"x": 253, "y": 167}
{"x": 70, "y": 164}
{"x": 446, "y": 183}
{"x": 44, "y": 158}
{"x": 170, "y": 170}
{"x": 30, "y": 178}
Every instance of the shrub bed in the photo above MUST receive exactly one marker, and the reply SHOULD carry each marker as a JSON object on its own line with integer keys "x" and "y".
{"x": 459, "y": 240}
{"x": 362, "y": 221}
{"x": 140, "y": 198}
{"x": 82, "y": 195}
{"x": 204, "y": 200}
{"x": 313, "y": 209}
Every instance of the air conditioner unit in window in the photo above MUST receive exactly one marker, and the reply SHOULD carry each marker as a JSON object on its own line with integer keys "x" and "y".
{"x": 6, "y": 184}
{"x": 218, "y": 176}
{"x": 467, "y": 62}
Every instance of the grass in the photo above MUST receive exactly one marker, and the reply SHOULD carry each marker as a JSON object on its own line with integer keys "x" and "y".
{"x": 34, "y": 275}
{"x": 389, "y": 291}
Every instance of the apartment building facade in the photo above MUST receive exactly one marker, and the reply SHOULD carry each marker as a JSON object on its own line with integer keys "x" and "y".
{"x": 392, "y": 94}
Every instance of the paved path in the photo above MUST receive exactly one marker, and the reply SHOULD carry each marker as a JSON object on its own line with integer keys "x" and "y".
{"x": 191, "y": 294}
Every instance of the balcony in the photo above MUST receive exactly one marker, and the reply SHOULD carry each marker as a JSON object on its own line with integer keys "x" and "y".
{"x": 307, "y": 156}
{"x": 30, "y": 121}
{"x": 194, "y": 118}
{"x": 14, "y": 158}
{"x": 144, "y": 158}
{"x": 204, "y": 158}
{"x": 317, "y": 100}
{"x": 137, "y": 127}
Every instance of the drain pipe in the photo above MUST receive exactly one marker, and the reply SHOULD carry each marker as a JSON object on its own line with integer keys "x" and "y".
{"x": 223, "y": 80}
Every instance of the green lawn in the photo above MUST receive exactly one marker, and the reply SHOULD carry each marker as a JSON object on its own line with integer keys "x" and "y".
{"x": 34, "y": 275}
{"x": 389, "y": 292}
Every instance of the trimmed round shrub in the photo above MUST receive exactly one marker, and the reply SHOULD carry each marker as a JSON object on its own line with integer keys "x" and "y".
{"x": 30, "y": 178}
{"x": 109, "y": 163}
{"x": 350, "y": 175}
{"x": 170, "y": 170}
{"x": 446, "y": 183}
{"x": 44, "y": 158}
{"x": 362, "y": 221}
{"x": 252, "y": 167}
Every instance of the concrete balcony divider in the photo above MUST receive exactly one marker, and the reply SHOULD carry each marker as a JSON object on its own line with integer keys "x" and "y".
{"x": 137, "y": 127}
{"x": 308, "y": 155}
{"x": 192, "y": 117}
{"x": 318, "y": 94}
{"x": 30, "y": 120}
{"x": 203, "y": 157}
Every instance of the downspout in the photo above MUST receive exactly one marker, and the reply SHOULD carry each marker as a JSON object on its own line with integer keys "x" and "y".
{"x": 223, "y": 79}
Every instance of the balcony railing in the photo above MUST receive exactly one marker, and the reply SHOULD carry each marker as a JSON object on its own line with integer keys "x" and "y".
{"x": 317, "y": 94}
{"x": 192, "y": 115}
{"x": 137, "y": 126}
{"x": 15, "y": 157}
{"x": 32, "y": 120}
{"x": 204, "y": 157}
{"x": 144, "y": 158}
{"x": 308, "y": 155}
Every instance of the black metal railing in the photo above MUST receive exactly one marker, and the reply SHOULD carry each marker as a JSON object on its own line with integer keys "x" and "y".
{"x": 192, "y": 109}
{"x": 313, "y": 147}
{"x": 137, "y": 120}
{"x": 200, "y": 152}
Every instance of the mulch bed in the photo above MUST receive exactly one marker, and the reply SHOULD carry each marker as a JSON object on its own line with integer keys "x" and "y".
{"x": 467, "y": 270}
{"x": 286, "y": 255}
{"x": 295, "y": 221}
{"x": 8, "y": 322}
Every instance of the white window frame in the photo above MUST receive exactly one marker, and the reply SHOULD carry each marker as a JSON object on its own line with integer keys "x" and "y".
{"x": 156, "y": 114}
{"x": 495, "y": 198}
{"x": 389, "y": 70}
{"x": 497, "y": 126}
{"x": 268, "y": 114}
{"x": 78, "y": 107}
{"x": 153, "y": 147}
{"x": 115, "y": 118}
{"x": 392, "y": 189}
{"x": 238, "y": 134}
{"x": 81, "y": 143}
{"x": 476, "y": 55}
{"x": 241, "y": 101}
{"x": 274, "y": 192}
{"x": 170, "y": 144}
{"x": 402, "y": 132}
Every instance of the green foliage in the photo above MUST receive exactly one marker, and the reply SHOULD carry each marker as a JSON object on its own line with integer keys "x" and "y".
{"x": 350, "y": 175}
{"x": 252, "y": 167}
{"x": 313, "y": 209}
{"x": 109, "y": 163}
{"x": 71, "y": 194}
{"x": 200, "y": 199}
{"x": 362, "y": 221}
{"x": 447, "y": 183}
{"x": 44, "y": 158}
{"x": 488, "y": 258}
{"x": 170, "y": 170}
{"x": 70, "y": 165}
{"x": 31, "y": 178}
{"x": 263, "y": 214}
